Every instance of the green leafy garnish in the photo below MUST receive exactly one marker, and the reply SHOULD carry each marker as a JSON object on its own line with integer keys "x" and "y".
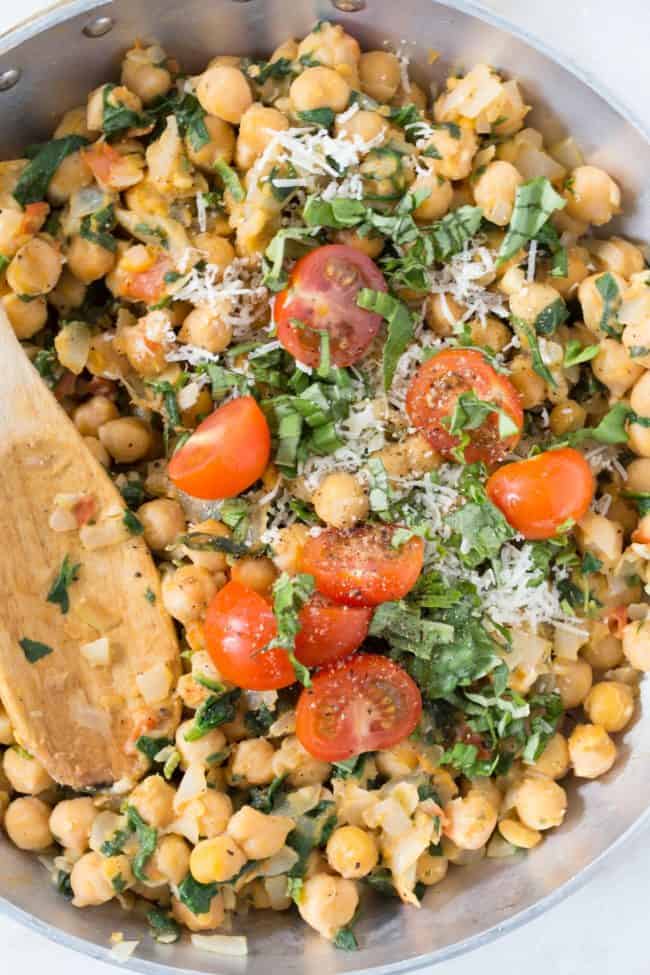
{"x": 535, "y": 201}
{"x": 63, "y": 885}
{"x": 539, "y": 365}
{"x": 259, "y": 720}
{"x": 215, "y": 711}
{"x": 117, "y": 117}
{"x": 346, "y": 940}
{"x": 203, "y": 542}
{"x": 275, "y": 277}
{"x": 133, "y": 523}
{"x": 265, "y": 799}
{"x": 551, "y": 317}
{"x": 230, "y": 180}
{"x": 590, "y": 564}
{"x": 195, "y": 896}
{"x": 290, "y": 593}
{"x": 400, "y": 327}
{"x": 163, "y": 927}
{"x": 470, "y": 413}
{"x": 610, "y": 293}
{"x": 34, "y": 650}
{"x": 575, "y": 353}
{"x": 312, "y": 830}
{"x": 481, "y": 529}
{"x": 407, "y": 630}
{"x": 96, "y": 227}
{"x": 147, "y": 837}
{"x": 151, "y": 746}
{"x": 35, "y": 178}
{"x": 189, "y": 115}
{"x": 235, "y": 513}
{"x": 322, "y": 117}
{"x": 58, "y": 594}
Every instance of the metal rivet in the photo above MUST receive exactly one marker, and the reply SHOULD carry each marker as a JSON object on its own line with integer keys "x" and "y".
{"x": 9, "y": 78}
{"x": 99, "y": 26}
{"x": 349, "y": 6}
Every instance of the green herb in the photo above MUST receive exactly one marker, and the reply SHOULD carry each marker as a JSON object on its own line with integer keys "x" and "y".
{"x": 379, "y": 493}
{"x": 304, "y": 512}
{"x": 215, "y": 711}
{"x": 322, "y": 117}
{"x": 189, "y": 115}
{"x": 171, "y": 764}
{"x": 195, "y": 896}
{"x": 539, "y": 365}
{"x": 47, "y": 366}
{"x": 96, "y": 227}
{"x": 265, "y": 799}
{"x": 35, "y": 178}
{"x": 118, "y": 883}
{"x": 406, "y": 116}
{"x": 345, "y": 940}
{"x": 470, "y": 413}
{"x": 551, "y": 317}
{"x": 4, "y": 262}
{"x": 230, "y": 180}
{"x": 116, "y": 117}
{"x": 259, "y": 721}
{"x": 590, "y": 564}
{"x": 150, "y": 595}
{"x": 34, "y": 650}
{"x": 290, "y": 593}
{"x": 147, "y": 837}
{"x": 451, "y": 127}
{"x": 610, "y": 293}
{"x": 400, "y": 327}
{"x": 640, "y": 499}
{"x": 212, "y": 685}
{"x": 266, "y": 70}
{"x": 58, "y": 593}
{"x": 151, "y": 746}
{"x": 235, "y": 513}
{"x": 294, "y": 888}
{"x": 575, "y": 353}
{"x": 312, "y": 830}
{"x": 133, "y": 524}
{"x": 535, "y": 201}
{"x": 636, "y": 351}
{"x": 350, "y": 768}
{"x": 63, "y": 885}
{"x": 132, "y": 490}
{"x": 203, "y": 542}
{"x": 275, "y": 278}
{"x": 406, "y": 630}
{"x": 113, "y": 846}
{"x": 482, "y": 529}
{"x": 164, "y": 929}
{"x": 612, "y": 429}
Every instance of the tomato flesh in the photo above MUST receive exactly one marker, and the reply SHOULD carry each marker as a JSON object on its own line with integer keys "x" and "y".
{"x": 360, "y": 566}
{"x": 330, "y": 632}
{"x": 540, "y": 495}
{"x": 434, "y": 392}
{"x": 322, "y": 295}
{"x": 365, "y": 703}
{"x": 226, "y": 453}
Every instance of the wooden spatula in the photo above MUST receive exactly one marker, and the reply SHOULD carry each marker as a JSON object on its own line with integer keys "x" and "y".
{"x": 77, "y": 709}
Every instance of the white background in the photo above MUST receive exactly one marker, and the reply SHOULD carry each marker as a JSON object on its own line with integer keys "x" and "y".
{"x": 603, "y": 928}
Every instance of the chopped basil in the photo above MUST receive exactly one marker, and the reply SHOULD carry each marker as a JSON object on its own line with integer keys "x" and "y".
{"x": 204, "y": 542}
{"x": 346, "y": 940}
{"x": 312, "y": 830}
{"x": 196, "y": 896}
{"x": 551, "y": 317}
{"x": 34, "y": 650}
{"x": 641, "y": 500}
{"x": 63, "y": 885}
{"x": 58, "y": 594}
{"x": 379, "y": 493}
{"x": 96, "y": 227}
{"x": 35, "y": 178}
{"x": 133, "y": 523}
{"x": 350, "y": 768}
{"x": 539, "y": 365}
{"x": 230, "y": 180}
{"x": 470, "y": 413}
{"x": 290, "y": 593}
{"x": 535, "y": 201}
{"x": 263, "y": 71}
{"x": 275, "y": 277}
{"x": 189, "y": 115}
{"x": 265, "y": 799}
{"x": 294, "y": 888}
{"x": 215, "y": 711}
{"x": 117, "y": 117}
{"x": 150, "y": 746}
{"x": 147, "y": 837}
{"x": 164, "y": 929}
{"x": 259, "y": 720}
{"x": 235, "y": 513}
{"x": 407, "y": 631}
{"x": 47, "y": 366}
{"x": 322, "y": 117}
{"x": 575, "y": 353}
{"x": 590, "y": 564}
{"x": 610, "y": 293}
{"x": 400, "y": 327}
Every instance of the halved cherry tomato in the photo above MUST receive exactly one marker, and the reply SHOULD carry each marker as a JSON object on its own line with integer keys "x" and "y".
{"x": 238, "y": 625}
{"x": 226, "y": 453}
{"x": 434, "y": 392}
{"x": 541, "y": 494}
{"x": 617, "y": 620}
{"x": 360, "y": 566}
{"x": 359, "y": 705}
{"x": 34, "y": 217}
{"x": 330, "y": 632}
{"x": 148, "y": 285}
{"x": 322, "y": 295}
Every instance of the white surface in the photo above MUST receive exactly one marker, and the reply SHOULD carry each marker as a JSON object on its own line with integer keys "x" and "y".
{"x": 604, "y": 927}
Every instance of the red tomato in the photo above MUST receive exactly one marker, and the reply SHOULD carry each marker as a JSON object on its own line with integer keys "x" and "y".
{"x": 238, "y": 625}
{"x": 617, "y": 620}
{"x": 322, "y": 293}
{"x": 360, "y": 566}
{"x": 34, "y": 217}
{"x": 359, "y": 705}
{"x": 435, "y": 389}
{"x": 108, "y": 165}
{"x": 330, "y": 632}
{"x": 539, "y": 495}
{"x": 226, "y": 453}
{"x": 148, "y": 285}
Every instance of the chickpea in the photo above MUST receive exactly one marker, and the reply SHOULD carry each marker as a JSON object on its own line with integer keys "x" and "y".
{"x": 456, "y": 154}
{"x": 573, "y": 679}
{"x": 256, "y": 131}
{"x": 618, "y": 255}
{"x": 340, "y": 500}
{"x": 163, "y": 520}
{"x": 638, "y": 439}
{"x": 98, "y": 451}
{"x": 495, "y": 191}
{"x": 143, "y": 77}
{"x": 554, "y": 760}
{"x": 367, "y": 125}
{"x": 470, "y": 820}
{"x": 592, "y": 302}
{"x": 224, "y": 91}
{"x": 90, "y": 881}
{"x": 531, "y": 300}
{"x": 254, "y": 573}
{"x": 88, "y": 417}
{"x": 439, "y": 199}
{"x": 603, "y": 653}
{"x": 27, "y": 824}
{"x": 636, "y": 644}
{"x": 293, "y": 760}
{"x": 640, "y": 395}
{"x": 216, "y": 860}
{"x": 443, "y": 313}
{"x": 212, "y": 918}
{"x": 153, "y": 798}
{"x": 519, "y": 835}
{"x": 217, "y": 810}
{"x": 371, "y": 246}
{"x": 207, "y": 329}
{"x": 530, "y": 386}
{"x": 380, "y": 75}
{"x": 127, "y": 439}
{"x": 36, "y": 268}
{"x": 352, "y": 852}
{"x": 400, "y": 760}
{"x": 220, "y": 146}
{"x": 592, "y": 196}
{"x": 288, "y": 547}
{"x": 602, "y": 537}
{"x": 328, "y": 903}
{"x": 71, "y": 175}
{"x": 251, "y": 763}
{"x": 592, "y": 751}
{"x": 566, "y": 417}
{"x": 260, "y": 836}
{"x": 319, "y": 88}
{"x": 577, "y": 268}
{"x": 491, "y": 334}
{"x": 610, "y": 704}
{"x": 431, "y": 869}
{"x": 412, "y": 456}
{"x": 68, "y": 295}
{"x": 6, "y": 738}
{"x": 73, "y": 122}
{"x": 615, "y": 368}
{"x": 25, "y": 317}
{"x": 217, "y": 250}
{"x": 198, "y": 751}
{"x": 25, "y": 773}
{"x": 329, "y": 44}
{"x": 87, "y": 260}
{"x": 71, "y": 822}
{"x": 638, "y": 476}
{"x": 540, "y": 802}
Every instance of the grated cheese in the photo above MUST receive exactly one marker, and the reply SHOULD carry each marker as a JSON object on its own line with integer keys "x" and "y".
{"x": 464, "y": 279}
{"x": 201, "y": 212}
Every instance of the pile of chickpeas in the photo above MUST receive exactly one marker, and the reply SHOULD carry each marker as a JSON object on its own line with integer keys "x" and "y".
{"x": 157, "y": 184}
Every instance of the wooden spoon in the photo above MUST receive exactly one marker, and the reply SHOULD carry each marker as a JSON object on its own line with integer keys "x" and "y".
{"x": 79, "y": 716}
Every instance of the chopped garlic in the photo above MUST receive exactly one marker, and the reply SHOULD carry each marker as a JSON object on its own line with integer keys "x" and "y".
{"x": 97, "y": 653}
{"x": 156, "y": 683}
{"x": 221, "y": 944}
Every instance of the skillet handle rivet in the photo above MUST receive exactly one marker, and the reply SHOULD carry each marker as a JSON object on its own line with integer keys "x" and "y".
{"x": 349, "y": 6}
{"x": 98, "y": 27}
{"x": 9, "y": 78}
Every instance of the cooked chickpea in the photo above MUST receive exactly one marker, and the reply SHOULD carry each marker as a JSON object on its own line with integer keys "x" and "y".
{"x": 146, "y": 79}
{"x": 443, "y": 313}
{"x": 94, "y": 413}
{"x": 87, "y": 260}
{"x": 90, "y": 881}
{"x": 531, "y": 300}
{"x": 27, "y": 824}
{"x": 259, "y": 835}
{"x": 217, "y": 250}
{"x": 530, "y": 386}
{"x": 367, "y": 125}
{"x": 618, "y": 255}
{"x": 163, "y": 520}
{"x": 400, "y": 760}
{"x": 71, "y": 175}
{"x": 456, "y": 154}
{"x": 638, "y": 439}
{"x": 217, "y": 810}
{"x": 592, "y": 751}
{"x": 371, "y": 246}
{"x": 251, "y": 763}
{"x": 577, "y": 270}
{"x": 492, "y": 333}
{"x": 431, "y": 869}
{"x": 205, "y": 328}
{"x": 6, "y": 738}
{"x": 216, "y": 860}
{"x": 25, "y": 317}
{"x": 214, "y": 561}
{"x": 319, "y": 88}
{"x": 638, "y": 476}
{"x": 328, "y": 903}
{"x": 71, "y": 822}
{"x": 293, "y": 759}
{"x": 603, "y": 652}
{"x": 573, "y": 679}
{"x": 154, "y": 800}
{"x": 224, "y": 91}
{"x": 540, "y": 802}
{"x": 592, "y": 195}
{"x": 610, "y": 704}
{"x": 25, "y": 773}
{"x": 615, "y": 368}
{"x": 36, "y": 268}
{"x": 470, "y": 820}
{"x": 636, "y": 644}
{"x": 438, "y": 202}
{"x": 340, "y": 500}
{"x": 592, "y": 301}
{"x": 68, "y": 295}
{"x": 566, "y": 417}
{"x": 220, "y": 146}
{"x": 212, "y": 918}
{"x": 288, "y": 547}
{"x": 601, "y": 536}
{"x": 200, "y": 750}
{"x": 254, "y": 573}
{"x": 127, "y": 439}
{"x": 187, "y": 591}
{"x": 554, "y": 760}
{"x": 380, "y": 75}
{"x": 495, "y": 191}
{"x": 256, "y": 131}
{"x": 352, "y": 852}
{"x": 412, "y": 456}
{"x": 73, "y": 122}
{"x": 519, "y": 835}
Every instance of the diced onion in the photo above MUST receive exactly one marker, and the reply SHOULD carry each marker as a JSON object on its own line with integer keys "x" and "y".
{"x": 221, "y": 944}
{"x": 105, "y": 824}
{"x": 97, "y": 653}
{"x": 192, "y": 786}
{"x": 106, "y": 533}
{"x": 155, "y": 684}
{"x": 122, "y": 951}
{"x": 72, "y": 346}
{"x": 498, "y": 848}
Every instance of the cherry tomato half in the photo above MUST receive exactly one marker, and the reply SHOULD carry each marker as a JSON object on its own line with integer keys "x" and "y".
{"x": 362, "y": 704}
{"x": 226, "y": 453}
{"x": 434, "y": 392}
{"x": 330, "y": 632}
{"x": 360, "y": 566}
{"x": 238, "y": 625}
{"x": 322, "y": 294}
{"x": 539, "y": 495}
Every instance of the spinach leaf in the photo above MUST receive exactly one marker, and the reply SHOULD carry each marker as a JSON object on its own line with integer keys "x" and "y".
{"x": 35, "y": 178}
{"x": 230, "y": 180}
{"x": 535, "y": 201}
{"x": 164, "y": 928}
{"x": 58, "y": 593}
{"x": 551, "y": 317}
{"x": 147, "y": 837}
{"x": 196, "y": 896}
{"x": 215, "y": 711}
{"x": 116, "y": 116}
{"x": 610, "y": 293}
{"x": 575, "y": 353}
{"x": 321, "y": 117}
{"x": 265, "y": 799}
{"x": 33, "y": 649}
{"x": 151, "y": 746}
